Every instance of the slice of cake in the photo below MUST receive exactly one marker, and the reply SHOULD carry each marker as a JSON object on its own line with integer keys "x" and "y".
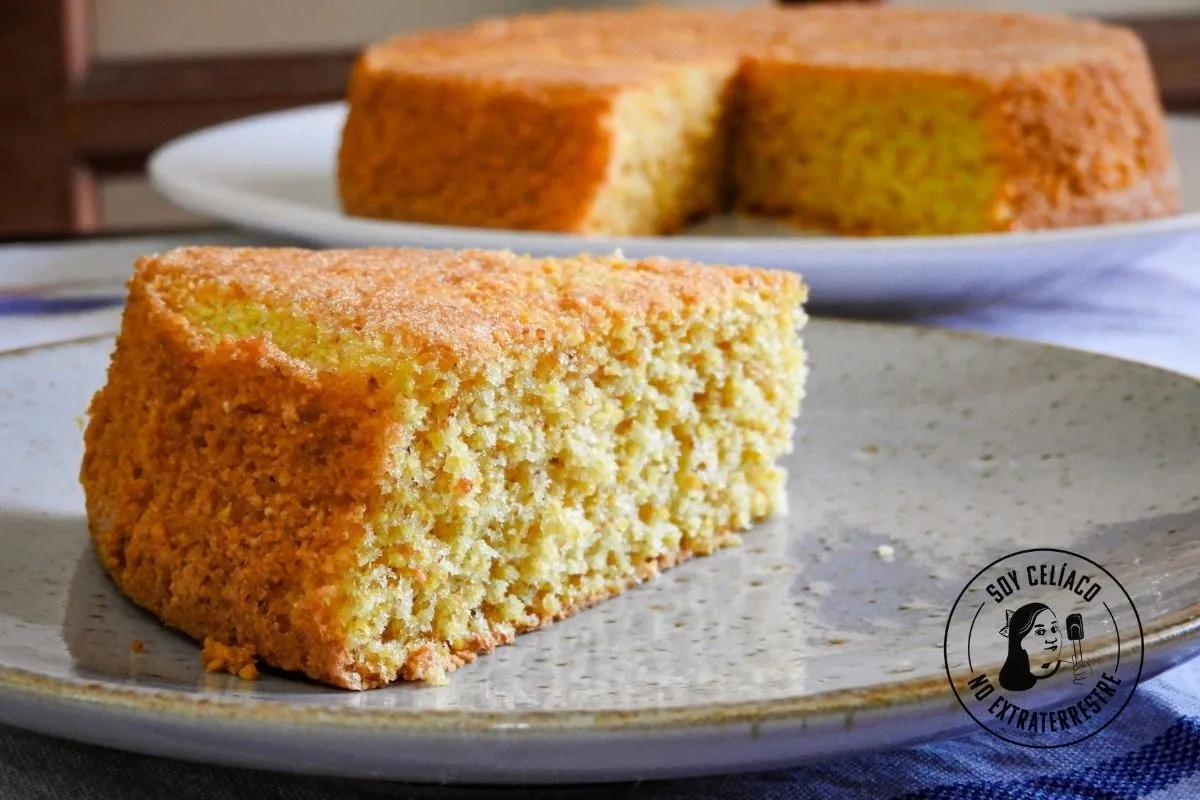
{"x": 371, "y": 464}
{"x": 856, "y": 119}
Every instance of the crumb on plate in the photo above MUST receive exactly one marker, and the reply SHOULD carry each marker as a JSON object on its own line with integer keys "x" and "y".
{"x": 234, "y": 659}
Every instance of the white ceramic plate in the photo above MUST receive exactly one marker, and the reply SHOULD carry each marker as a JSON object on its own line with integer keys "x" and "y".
{"x": 802, "y": 643}
{"x": 276, "y": 173}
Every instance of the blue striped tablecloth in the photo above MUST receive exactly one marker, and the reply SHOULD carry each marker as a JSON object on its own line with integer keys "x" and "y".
{"x": 1149, "y": 311}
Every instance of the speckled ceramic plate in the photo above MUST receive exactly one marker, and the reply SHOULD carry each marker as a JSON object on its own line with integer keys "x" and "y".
{"x": 240, "y": 173}
{"x": 922, "y": 455}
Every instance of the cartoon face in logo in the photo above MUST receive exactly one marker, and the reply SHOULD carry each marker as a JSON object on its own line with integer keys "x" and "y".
{"x": 1034, "y": 646}
{"x": 1039, "y": 602}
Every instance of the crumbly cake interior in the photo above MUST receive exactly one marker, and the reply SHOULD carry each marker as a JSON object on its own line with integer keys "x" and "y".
{"x": 669, "y": 146}
{"x": 523, "y": 486}
{"x": 865, "y": 153}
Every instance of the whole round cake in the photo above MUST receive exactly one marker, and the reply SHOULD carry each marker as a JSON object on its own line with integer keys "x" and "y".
{"x": 860, "y": 120}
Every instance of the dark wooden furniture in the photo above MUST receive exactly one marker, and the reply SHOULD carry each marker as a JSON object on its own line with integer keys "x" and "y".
{"x": 66, "y": 118}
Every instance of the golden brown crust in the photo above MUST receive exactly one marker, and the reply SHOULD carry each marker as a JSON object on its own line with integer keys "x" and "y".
{"x": 1086, "y": 144}
{"x": 989, "y": 46}
{"x": 469, "y": 304}
{"x": 507, "y": 123}
{"x": 412, "y": 169}
{"x": 227, "y": 461}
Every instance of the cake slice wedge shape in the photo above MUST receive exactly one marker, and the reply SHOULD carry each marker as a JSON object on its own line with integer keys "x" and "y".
{"x": 377, "y": 464}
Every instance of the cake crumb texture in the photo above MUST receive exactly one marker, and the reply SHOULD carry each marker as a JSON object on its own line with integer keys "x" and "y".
{"x": 236, "y": 660}
{"x": 378, "y": 464}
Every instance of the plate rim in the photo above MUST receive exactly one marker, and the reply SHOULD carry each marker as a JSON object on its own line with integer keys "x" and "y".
{"x": 880, "y": 700}
{"x": 887, "y": 699}
{"x": 270, "y": 213}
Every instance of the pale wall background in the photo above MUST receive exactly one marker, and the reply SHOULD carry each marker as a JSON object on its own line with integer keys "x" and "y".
{"x": 132, "y": 28}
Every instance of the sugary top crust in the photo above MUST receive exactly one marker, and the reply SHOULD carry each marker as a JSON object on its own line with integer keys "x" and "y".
{"x": 608, "y": 48}
{"x": 468, "y": 304}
